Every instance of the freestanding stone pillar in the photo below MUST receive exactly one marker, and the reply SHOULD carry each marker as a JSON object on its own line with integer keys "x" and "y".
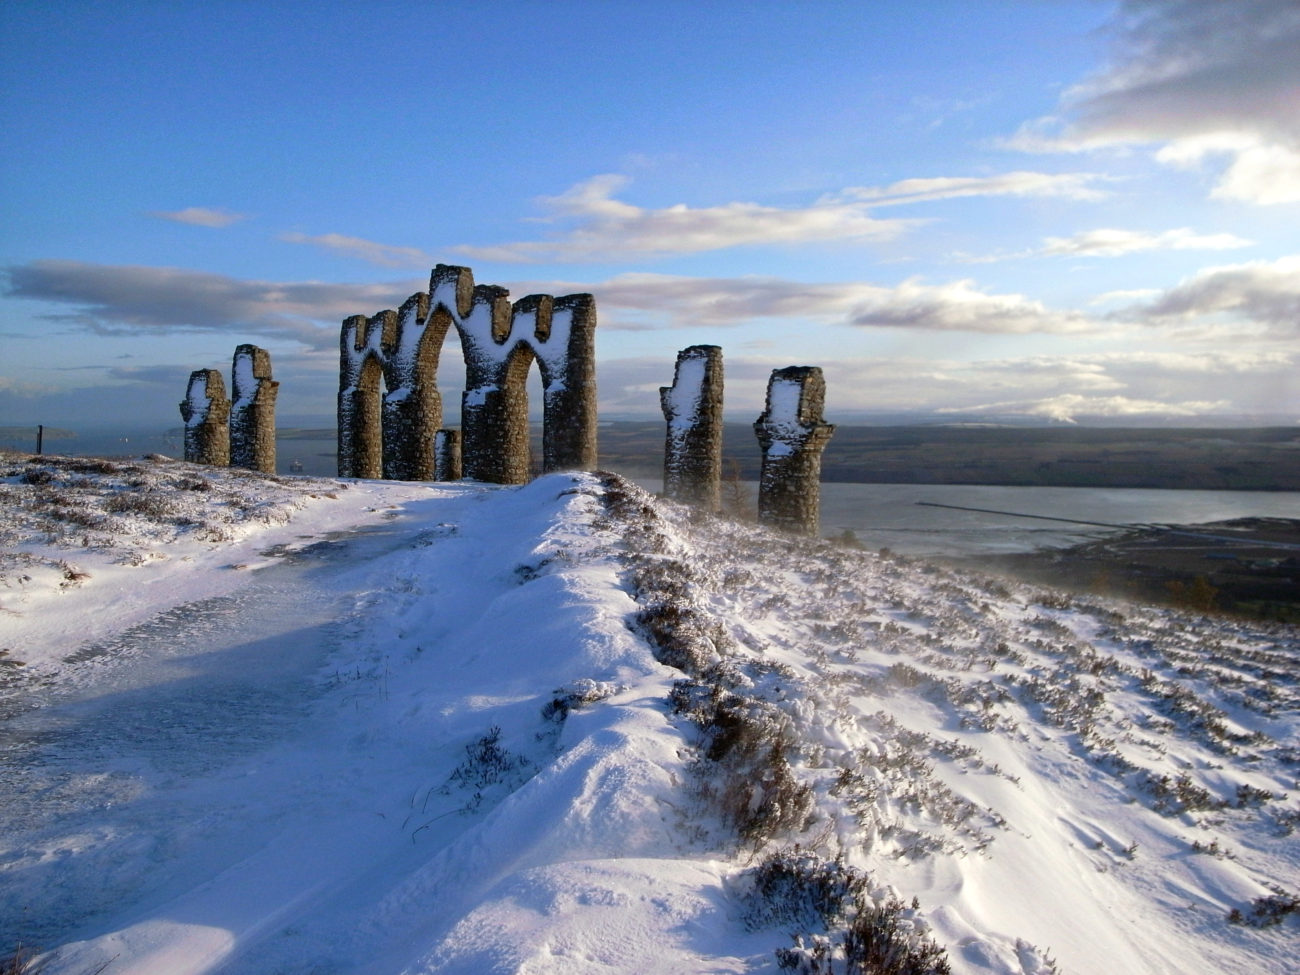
{"x": 447, "y": 454}
{"x": 205, "y": 411}
{"x": 252, "y": 416}
{"x": 692, "y": 405}
{"x": 793, "y": 435}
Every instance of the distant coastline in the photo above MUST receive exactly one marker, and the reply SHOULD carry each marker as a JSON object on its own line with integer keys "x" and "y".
{"x": 1214, "y": 459}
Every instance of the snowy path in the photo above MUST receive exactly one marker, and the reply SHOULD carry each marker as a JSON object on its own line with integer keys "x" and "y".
{"x": 200, "y": 736}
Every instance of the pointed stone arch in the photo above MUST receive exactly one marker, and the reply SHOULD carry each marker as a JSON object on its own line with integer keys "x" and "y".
{"x": 500, "y": 342}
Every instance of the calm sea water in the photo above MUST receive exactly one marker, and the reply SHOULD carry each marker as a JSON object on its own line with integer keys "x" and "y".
{"x": 892, "y": 515}
{"x": 880, "y": 515}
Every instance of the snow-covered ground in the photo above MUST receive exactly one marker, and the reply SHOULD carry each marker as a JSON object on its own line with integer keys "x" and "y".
{"x": 259, "y": 724}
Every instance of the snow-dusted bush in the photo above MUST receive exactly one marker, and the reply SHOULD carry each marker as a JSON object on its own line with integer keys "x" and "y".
{"x": 839, "y": 924}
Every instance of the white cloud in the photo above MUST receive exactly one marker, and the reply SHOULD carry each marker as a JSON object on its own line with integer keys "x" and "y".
{"x": 1073, "y": 186}
{"x": 1261, "y": 293}
{"x": 1111, "y": 242}
{"x": 1200, "y": 78}
{"x": 200, "y": 216}
{"x": 385, "y": 255}
{"x": 607, "y": 228}
{"x": 114, "y": 299}
{"x": 1065, "y": 407}
{"x": 912, "y": 304}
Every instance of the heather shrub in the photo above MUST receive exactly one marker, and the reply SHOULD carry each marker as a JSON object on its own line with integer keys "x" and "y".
{"x": 839, "y": 927}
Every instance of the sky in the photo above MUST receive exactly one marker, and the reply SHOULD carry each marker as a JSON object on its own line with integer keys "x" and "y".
{"x": 1065, "y": 211}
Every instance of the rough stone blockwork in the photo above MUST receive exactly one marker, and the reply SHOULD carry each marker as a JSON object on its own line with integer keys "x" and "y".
{"x": 400, "y": 350}
{"x": 252, "y": 416}
{"x": 205, "y": 411}
{"x": 793, "y": 435}
{"x": 693, "y": 444}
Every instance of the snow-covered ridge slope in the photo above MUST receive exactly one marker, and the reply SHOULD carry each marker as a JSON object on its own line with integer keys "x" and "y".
{"x": 446, "y": 740}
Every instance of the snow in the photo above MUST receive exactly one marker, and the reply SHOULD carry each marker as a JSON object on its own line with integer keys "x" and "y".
{"x": 244, "y": 382}
{"x": 686, "y": 393}
{"x": 199, "y": 401}
{"x": 268, "y": 724}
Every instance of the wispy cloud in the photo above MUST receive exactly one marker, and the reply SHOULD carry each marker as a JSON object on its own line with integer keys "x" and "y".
{"x": 1114, "y": 242}
{"x": 1065, "y": 407}
{"x": 200, "y": 216}
{"x": 385, "y": 255}
{"x": 604, "y": 228}
{"x": 1110, "y": 242}
{"x": 600, "y": 227}
{"x": 1202, "y": 79}
{"x": 912, "y": 304}
{"x": 116, "y": 299}
{"x": 1072, "y": 186}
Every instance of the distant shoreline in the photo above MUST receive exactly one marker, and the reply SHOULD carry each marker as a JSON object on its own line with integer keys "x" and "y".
{"x": 1171, "y": 458}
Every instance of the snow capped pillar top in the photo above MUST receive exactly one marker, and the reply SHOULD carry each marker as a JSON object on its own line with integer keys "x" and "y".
{"x": 796, "y": 396}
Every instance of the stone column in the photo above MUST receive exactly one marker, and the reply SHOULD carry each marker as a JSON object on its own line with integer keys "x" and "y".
{"x": 205, "y": 411}
{"x": 793, "y": 435}
{"x": 447, "y": 466}
{"x": 361, "y": 439}
{"x": 413, "y": 404}
{"x": 252, "y": 416}
{"x": 693, "y": 444}
{"x": 566, "y": 354}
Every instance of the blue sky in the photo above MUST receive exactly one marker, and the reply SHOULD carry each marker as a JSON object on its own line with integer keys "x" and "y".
{"x": 1055, "y": 210}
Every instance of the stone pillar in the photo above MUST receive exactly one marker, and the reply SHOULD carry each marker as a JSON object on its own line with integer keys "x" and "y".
{"x": 693, "y": 444}
{"x": 252, "y": 416}
{"x": 361, "y": 441}
{"x": 793, "y": 435}
{"x": 566, "y": 355}
{"x": 205, "y": 411}
{"x": 447, "y": 452}
{"x": 413, "y": 405}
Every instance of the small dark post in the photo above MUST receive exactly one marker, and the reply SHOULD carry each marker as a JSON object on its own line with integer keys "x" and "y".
{"x": 40, "y": 439}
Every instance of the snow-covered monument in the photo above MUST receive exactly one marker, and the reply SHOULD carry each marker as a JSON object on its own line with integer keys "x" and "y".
{"x": 692, "y": 405}
{"x": 239, "y": 433}
{"x": 792, "y": 434}
{"x": 389, "y": 407}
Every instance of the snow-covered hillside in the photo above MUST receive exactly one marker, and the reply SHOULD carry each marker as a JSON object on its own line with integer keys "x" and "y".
{"x": 253, "y": 724}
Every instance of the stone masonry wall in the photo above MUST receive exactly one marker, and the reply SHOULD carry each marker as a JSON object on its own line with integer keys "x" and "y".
{"x": 792, "y": 435}
{"x": 500, "y": 342}
{"x": 692, "y": 407}
{"x": 205, "y": 411}
{"x": 252, "y": 416}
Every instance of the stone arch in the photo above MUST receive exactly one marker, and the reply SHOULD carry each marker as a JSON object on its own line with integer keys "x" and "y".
{"x": 499, "y": 341}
